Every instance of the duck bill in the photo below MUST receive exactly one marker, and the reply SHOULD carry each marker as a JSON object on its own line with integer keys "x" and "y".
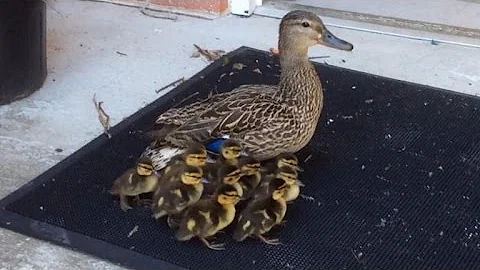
{"x": 330, "y": 40}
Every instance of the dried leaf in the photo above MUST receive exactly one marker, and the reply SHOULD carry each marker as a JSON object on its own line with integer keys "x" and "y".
{"x": 274, "y": 50}
{"x": 210, "y": 55}
{"x": 239, "y": 66}
{"x": 102, "y": 116}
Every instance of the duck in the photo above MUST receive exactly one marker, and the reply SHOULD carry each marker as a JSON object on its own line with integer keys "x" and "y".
{"x": 262, "y": 214}
{"x": 251, "y": 176}
{"x": 229, "y": 153}
{"x": 266, "y": 119}
{"x": 209, "y": 216}
{"x": 195, "y": 155}
{"x": 283, "y": 159}
{"x": 227, "y": 174}
{"x": 290, "y": 176}
{"x": 139, "y": 180}
{"x": 175, "y": 197}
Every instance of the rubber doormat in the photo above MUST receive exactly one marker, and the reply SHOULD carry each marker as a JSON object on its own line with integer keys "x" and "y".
{"x": 392, "y": 181}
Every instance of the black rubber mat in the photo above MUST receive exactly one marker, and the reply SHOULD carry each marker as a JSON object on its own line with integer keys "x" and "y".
{"x": 392, "y": 182}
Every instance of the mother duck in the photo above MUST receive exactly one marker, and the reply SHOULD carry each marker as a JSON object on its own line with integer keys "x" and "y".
{"x": 266, "y": 119}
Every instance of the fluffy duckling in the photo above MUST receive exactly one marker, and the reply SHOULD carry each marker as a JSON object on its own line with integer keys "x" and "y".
{"x": 251, "y": 177}
{"x": 209, "y": 216}
{"x": 283, "y": 159}
{"x": 227, "y": 174}
{"x": 289, "y": 175}
{"x": 173, "y": 198}
{"x": 194, "y": 155}
{"x": 262, "y": 214}
{"x": 134, "y": 182}
{"x": 230, "y": 152}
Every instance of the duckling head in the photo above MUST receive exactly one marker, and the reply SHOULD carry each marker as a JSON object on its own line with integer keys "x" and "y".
{"x": 231, "y": 149}
{"x": 287, "y": 159}
{"x": 191, "y": 175}
{"x": 277, "y": 187}
{"x": 229, "y": 174}
{"x": 249, "y": 165}
{"x": 300, "y": 30}
{"x": 144, "y": 166}
{"x": 195, "y": 155}
{"x": 288, "y": 174}
{"x": 227, "y": 195}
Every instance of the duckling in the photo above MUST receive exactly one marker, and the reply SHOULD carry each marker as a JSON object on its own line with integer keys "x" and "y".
{"x": 173, "y": 198}
{"x": 227, "y": 174}
{"x": 251, "y": 177}
{"x": 230, "y": 152}
{"x": 194, "y": 155}
{"x": 262, "y": 214}
{"x": 209, "y": 216}
{"x": 289, "y": 175}
{"x": 283, "y": 159}
{"x": 134, "y": 182}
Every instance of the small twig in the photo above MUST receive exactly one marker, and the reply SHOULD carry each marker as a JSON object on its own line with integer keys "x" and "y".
{"x": 134, "y": 230}
{"x": 319, "y": 57}
{"x": 122, "y": 54}
{"x": 307, "y": 158}
{"x": 181, "y": 80}
{"x": 185, "y": 99}
{"x": 102, "y": 116}
{"x": 166, "y": 16}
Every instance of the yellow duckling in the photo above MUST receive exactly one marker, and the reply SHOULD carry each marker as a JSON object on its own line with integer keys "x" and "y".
{"x": 283, "y": 159}
{"x": 262, "y": 214}
{"x": 251, "y": 177}
{"x": 173, "y": 198}
{"x": 134, "y": 182}
{"x": 289, "y": 175}
{"x": 209, "y": 216}
{"x": 230, "y": 152}
{"x": 227, "y": 174}
{"x": 194, "y": 155}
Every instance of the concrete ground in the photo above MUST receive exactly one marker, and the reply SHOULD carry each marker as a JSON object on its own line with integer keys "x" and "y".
{"x": 124, "y": 56}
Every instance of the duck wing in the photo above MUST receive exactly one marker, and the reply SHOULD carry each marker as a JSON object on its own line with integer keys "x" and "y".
{"x": 233, "y": 116}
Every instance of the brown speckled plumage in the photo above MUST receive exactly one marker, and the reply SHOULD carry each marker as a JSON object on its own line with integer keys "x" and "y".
{"x": 266, "y": 119}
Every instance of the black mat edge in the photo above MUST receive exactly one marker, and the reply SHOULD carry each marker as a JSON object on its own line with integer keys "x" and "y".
{"x": 98, "y": 248}
{"x": 83, "y": 243}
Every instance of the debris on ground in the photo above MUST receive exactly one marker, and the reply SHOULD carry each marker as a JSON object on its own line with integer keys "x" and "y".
{"x": 210, "y": 55}
{"x": 239, "y": 66}
{"x": 174, "y": 83}
{"x": 257, "y": 70}
{"x": 122, "y": 54}
{"x": 134, "y": 230}
{"x": 102, "y": 116}
{"x": 307, "y": 159}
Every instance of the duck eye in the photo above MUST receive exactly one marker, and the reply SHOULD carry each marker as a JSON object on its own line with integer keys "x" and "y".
{"x": 305, "y": 24}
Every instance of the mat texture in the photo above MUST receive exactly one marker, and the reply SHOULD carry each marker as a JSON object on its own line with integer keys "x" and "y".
{"x": 392, "y": 181}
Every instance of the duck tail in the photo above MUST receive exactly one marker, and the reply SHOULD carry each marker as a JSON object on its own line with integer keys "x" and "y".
{"x": 161, "y": 155}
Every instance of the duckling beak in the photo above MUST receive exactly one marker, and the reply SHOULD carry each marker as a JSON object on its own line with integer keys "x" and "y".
{"x": 330, "y": 40}
{"x": 244, "y": 153}
{"x": 300, "y": 169}
{"x": 204, "y": 180}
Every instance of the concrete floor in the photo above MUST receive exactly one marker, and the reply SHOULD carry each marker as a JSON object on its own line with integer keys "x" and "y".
{"x": 83, "y": 41}
{"x": 463, "y": 13}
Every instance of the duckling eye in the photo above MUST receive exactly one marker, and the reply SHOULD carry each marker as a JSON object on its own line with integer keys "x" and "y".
{"x": 305, "y": 24}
